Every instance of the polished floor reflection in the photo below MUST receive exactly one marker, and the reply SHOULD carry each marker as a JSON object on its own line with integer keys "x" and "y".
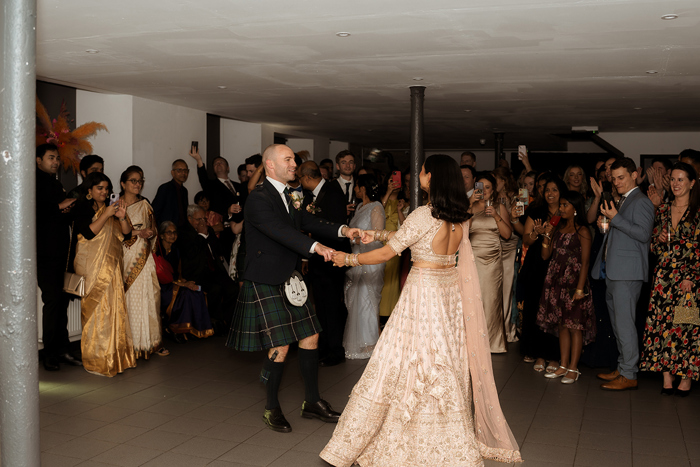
{"x": 202, "y": 406}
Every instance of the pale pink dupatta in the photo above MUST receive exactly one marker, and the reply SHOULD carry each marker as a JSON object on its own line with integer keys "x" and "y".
{"x": 495, "y": 439}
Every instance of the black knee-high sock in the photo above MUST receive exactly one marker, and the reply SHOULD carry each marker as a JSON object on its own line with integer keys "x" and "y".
{"x": 308, "y": 364}
{"x": 272, "y": 377}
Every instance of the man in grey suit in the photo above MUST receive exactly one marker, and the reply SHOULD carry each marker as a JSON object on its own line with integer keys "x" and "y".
{"x": 623, "y": 262}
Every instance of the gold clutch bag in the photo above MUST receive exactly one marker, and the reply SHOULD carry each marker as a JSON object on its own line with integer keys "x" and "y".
{"x": 74, "y": 284}
{"x": 687, "y": 314}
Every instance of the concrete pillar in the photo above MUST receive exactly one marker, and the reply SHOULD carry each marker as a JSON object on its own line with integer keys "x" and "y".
{"x": 417, "y": 153}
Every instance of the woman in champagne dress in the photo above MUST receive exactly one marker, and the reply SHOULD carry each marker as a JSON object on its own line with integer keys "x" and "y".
{"x": 140, "y": 278}
{"x": 363, "y": 285}
{"x": 99, "y": 229}
{"x": 488, "y": 226}
{"x": 432, "y": 364}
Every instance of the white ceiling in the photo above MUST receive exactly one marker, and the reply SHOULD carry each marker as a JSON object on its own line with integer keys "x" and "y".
{"x": 529, "y": 68}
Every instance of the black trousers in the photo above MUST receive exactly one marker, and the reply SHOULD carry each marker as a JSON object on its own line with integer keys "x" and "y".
{"x": 327, "y": 286}
{"x": 54, "y": 319}
{"x": 222, "y": 293}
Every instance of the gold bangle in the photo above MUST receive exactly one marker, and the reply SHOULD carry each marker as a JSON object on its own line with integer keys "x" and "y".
{"x": 544, "y": 246}
{"x": 579, "y": 291}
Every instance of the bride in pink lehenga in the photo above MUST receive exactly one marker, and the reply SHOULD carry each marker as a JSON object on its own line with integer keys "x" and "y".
{"x": 432, "y": 363}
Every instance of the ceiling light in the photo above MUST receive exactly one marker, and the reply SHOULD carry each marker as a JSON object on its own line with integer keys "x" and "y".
{"x": 467, "y": 110}
{"x": 221, "y": 87}
{"x": 651, "y": 72}
{"x": 668, "y": 17}
{"x": 92, "y": 51}
{"x": 314, "y": 113}
{"x": 417, "y": 78}
{"x": 637, "y": 108}
{"x": 342, "y": 34}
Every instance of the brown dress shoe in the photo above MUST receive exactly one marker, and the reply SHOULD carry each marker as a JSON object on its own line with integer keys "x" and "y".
{"x": 620, "y": 384}
{"x": 608, "y": 376}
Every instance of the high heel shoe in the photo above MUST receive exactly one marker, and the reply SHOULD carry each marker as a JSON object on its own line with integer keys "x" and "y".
{"x": 554, "y": 375}
{"x": 567, "y": 380}
{"x": 682, "y": 392}
{"x": 667, "y": 391}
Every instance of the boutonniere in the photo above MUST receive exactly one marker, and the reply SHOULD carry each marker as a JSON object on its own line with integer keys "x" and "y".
{"x": 312, "y": 208}
{"x": 297, "y": 199}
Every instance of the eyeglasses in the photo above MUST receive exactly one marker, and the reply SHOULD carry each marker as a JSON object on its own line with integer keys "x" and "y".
{"x": 182, "y": 170}
{"x": 136, "y": 181}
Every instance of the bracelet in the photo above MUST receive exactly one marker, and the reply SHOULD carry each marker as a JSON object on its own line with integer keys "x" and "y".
{"x": 516, "y": 221}
{"x": 544, "y": 246}
{"x": 579, "y": 291}
{"x": 122, "y": 219}
{"x": 548, "y": 236}
{"x": 533, "y": 232}
{"x": 346, "y": 259}
{"x": 381, "y": 235}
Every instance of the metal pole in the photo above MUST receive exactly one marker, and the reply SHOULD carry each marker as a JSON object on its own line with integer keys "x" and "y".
{"x": 19, "y": 379}
{"x": 498, "y": 149}
{"x": 417, "y": 154}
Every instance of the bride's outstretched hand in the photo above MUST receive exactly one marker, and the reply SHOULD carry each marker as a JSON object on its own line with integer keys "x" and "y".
{"x": 367, "y": 236}
{"x": 338, "y": 258}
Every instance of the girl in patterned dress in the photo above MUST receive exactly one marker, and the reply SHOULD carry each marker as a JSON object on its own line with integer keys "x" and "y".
{"x": 672, "y": 341}
{"x": 566, "y": 306}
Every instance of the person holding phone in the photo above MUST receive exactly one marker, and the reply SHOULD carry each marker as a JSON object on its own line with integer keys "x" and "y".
{"x": 490, "y": 223}
{"x": 391, "y": 289}
{"x": 566, "y": 306}
{"x": 99, "y": 230}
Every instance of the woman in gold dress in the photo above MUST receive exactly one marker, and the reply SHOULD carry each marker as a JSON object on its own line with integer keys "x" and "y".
{"x": 413, "y": 404}
{"x": 100, "y": 229}
{"x": 489, "y": 225}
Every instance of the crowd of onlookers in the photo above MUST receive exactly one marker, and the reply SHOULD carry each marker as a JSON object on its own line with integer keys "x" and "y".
{"x": 580, "y": 268}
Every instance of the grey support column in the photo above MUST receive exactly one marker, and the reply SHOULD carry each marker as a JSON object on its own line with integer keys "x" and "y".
{"x": 498, "y": 148}
{"x": 19, "y": 380}
{"x": 417, "y": 154}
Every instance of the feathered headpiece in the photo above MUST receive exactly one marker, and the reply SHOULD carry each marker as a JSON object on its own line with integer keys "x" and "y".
{"x": 71, "y": 144}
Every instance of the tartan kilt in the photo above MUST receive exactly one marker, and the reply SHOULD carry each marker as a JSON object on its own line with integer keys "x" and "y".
{"x": 264, "y": 318}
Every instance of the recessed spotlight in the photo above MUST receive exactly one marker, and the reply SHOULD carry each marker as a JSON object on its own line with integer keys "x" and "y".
{"x": 670, "y": 16}
{"x": 417, "y": 78}
{"x": 637, "y": 108}
{"x": 651, "y": 72}
{"x": 221, "y": 87}
{"x": 369, "y": 130}
{"x": 92, "y": 51}
{"x": 342, "y": 34}
{"x": 314, "y": 113}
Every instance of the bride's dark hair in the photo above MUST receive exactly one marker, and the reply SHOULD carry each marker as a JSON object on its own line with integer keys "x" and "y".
{"x": 448, "y": 198}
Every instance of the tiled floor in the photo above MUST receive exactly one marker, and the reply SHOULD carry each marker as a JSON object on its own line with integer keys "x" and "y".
{"x": 202, "y": 406}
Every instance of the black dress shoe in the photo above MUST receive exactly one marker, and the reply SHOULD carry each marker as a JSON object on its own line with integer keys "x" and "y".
{"x": 321, "y": 410}
{"x": 331, "y": 361}
{"x": 51, "y": 364}
{"x": 275, "y": 420}
{"x": 68, "y": 359}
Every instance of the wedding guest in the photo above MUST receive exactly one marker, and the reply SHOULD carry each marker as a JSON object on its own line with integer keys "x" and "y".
{"x": 183, "y": 304}
{"x": 489, "y": 224}
{"x": 623, "y": 263}
{"x": 363, "y": 285}
{"x": 88, "y": 164}
{"x": 391, "y": 289}
{"x": 171, "y": 200}
{"x": 106, "y": 344}
{"x": 566, "y": 305}
{"x": 672, "y": 333}
{"x": 214, "y": 219}
{"x": 142, "y": 289}
{"x": 52, "y": 249}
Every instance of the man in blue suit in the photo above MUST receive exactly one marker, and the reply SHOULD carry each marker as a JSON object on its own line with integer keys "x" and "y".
{"x": 264, "y": 318}
{"x": 623, "y": 262}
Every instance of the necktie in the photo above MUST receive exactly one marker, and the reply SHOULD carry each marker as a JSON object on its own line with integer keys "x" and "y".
{"x": 347, "y": 191}
{"x": 622, "y": 200}
{"x": 290, "y": 205}
{"x": 605, "y": 246}
{"x": 229, "y": 185}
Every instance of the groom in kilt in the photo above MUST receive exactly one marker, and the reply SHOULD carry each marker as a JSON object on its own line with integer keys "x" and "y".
{"x": 264, "y": 318}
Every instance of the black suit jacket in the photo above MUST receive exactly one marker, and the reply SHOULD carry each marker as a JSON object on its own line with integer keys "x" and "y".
{"x": 52, "y": 235}
{"x": 274, "y": 242}
{"x": 332, "y": 204}
{"x": 198, "y": 264}
{"x": 219, "y": 195}
{"x": 165, "y": 204}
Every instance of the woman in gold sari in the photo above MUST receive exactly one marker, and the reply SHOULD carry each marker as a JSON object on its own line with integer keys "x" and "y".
{"x": 100, "y": 229}
{"x": 140, "y": 279}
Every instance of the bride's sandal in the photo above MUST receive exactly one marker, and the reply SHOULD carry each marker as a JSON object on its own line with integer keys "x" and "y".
{"x": 567, "y": 380}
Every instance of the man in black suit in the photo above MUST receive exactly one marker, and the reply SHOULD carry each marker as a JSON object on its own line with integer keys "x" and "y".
{"x": 327, "y": 201}
{"x": 52, "y": 242}
{"x": 202, "y": 263}
{"x": 171, "y": 201}
{"x": 226, "y": 196}
{"x": 265, "y": 317}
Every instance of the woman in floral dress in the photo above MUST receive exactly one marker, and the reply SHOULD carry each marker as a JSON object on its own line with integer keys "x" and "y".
{"x": 566, "y": 305}
{"x": 671, "y": 337}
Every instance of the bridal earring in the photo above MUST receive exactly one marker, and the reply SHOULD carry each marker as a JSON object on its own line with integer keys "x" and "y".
{"x": 88, "y": 196}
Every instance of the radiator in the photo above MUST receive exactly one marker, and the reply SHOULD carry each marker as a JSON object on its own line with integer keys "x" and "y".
{"x": 75, "y": 328}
